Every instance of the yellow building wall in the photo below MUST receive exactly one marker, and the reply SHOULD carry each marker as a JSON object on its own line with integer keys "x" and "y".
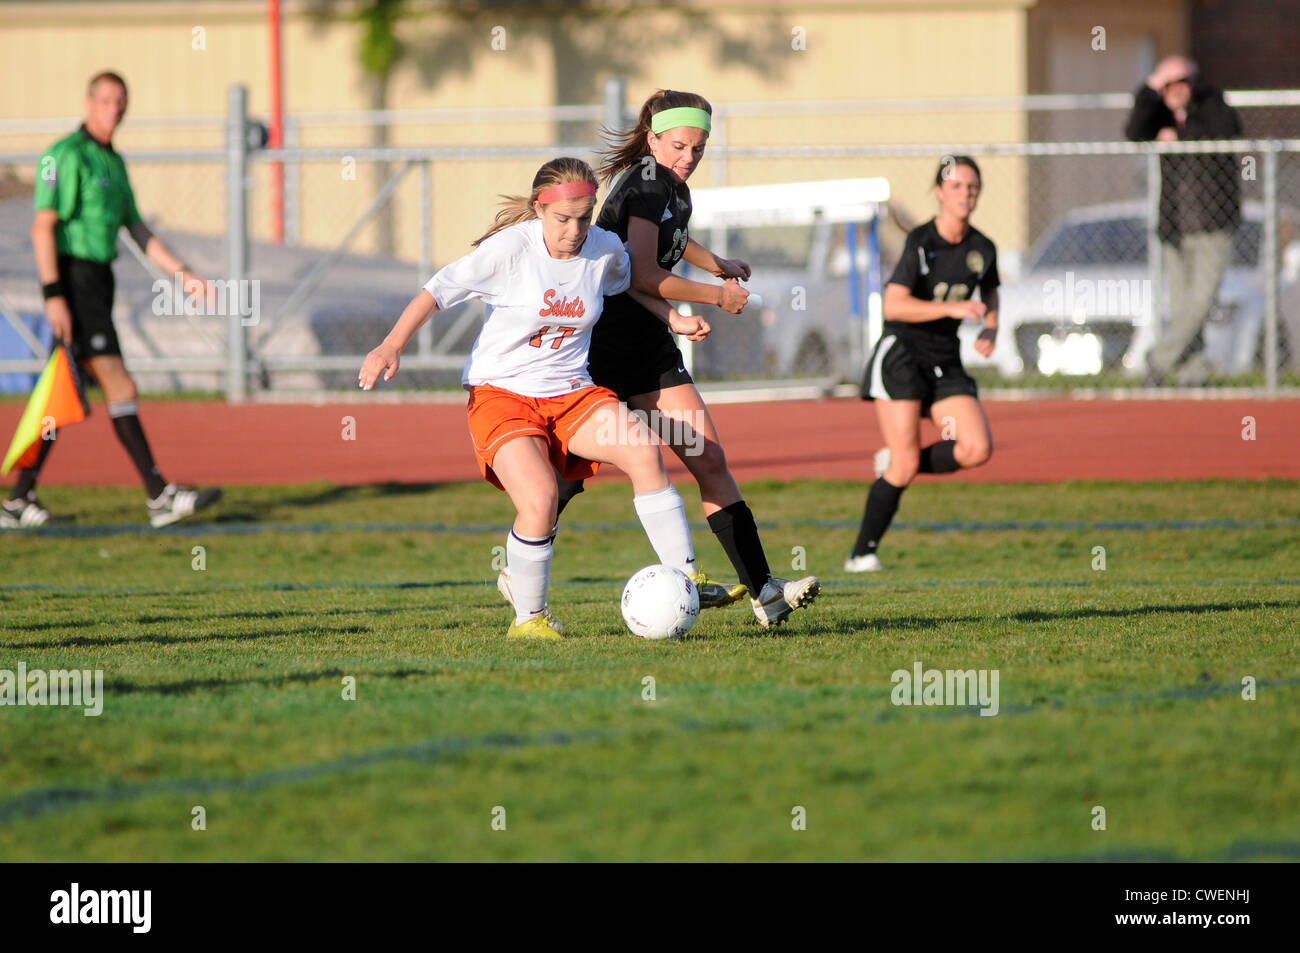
{"x": 179, "y": 60}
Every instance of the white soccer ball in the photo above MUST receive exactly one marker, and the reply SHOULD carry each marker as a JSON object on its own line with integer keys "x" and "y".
{"x": 660, "y": 602}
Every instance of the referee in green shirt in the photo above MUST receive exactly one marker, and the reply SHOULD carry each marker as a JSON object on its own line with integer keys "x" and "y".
{"x": 83, "y": 197}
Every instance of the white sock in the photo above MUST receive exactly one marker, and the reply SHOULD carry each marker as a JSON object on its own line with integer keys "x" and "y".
{"x": 663, "y": 515}
{"x": 528, "y": 560}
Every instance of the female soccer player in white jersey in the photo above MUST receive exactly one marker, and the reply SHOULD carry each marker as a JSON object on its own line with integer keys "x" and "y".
{"x": 915, "y": 369}
{"x": 632, "y": 353}
{"x": 543, "y": 272}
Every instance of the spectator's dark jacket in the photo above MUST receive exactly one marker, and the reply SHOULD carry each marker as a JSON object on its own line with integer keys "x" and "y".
{"x": 1198, "y": 193}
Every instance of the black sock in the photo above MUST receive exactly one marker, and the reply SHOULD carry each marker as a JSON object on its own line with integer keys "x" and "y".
{"x": 940, "y": 457}
{"x": 736, "y": 531}
{"x": 27, "y": 475}
{"x": 568, "y": 490}
{"x": 131, "y": 435}
{"x": 882, "y": 504}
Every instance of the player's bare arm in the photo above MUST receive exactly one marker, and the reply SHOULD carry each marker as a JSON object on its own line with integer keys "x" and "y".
{"x": 384, "y": 359}
{"x": 47, "y": 264}
{"x": 902, "y": 305}
{"x": 650, "y": 278}
{"x": 988, "y": 338}
{"x": 162, "y": 256}
{"x": 47, "y": 254}
{"x": 991, "y": 313}
{"x": 693, "y": 327}
{"x": 699, "y": 256}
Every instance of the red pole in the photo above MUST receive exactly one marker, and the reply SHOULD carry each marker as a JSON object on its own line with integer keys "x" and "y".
{"x": 276, "y": 136}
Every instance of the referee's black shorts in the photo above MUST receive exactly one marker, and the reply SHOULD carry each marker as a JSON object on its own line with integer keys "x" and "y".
{"x": 88, "y": 287}
{"x": 629, "y": 368}
{"x": 895, "y": 372}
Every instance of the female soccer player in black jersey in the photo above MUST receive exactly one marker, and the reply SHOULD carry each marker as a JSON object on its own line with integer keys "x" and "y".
{"x": 633, "y": 352}
{"x": 915, "y": 368}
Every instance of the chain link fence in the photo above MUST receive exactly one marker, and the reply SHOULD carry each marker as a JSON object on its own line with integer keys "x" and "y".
{"x": 1104, "y": 282}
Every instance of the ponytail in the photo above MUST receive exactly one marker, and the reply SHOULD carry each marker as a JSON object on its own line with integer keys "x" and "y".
{"x": 629, "y": 145}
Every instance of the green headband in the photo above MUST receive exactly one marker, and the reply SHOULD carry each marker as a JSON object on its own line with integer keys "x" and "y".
{"x": 679, "y": 116}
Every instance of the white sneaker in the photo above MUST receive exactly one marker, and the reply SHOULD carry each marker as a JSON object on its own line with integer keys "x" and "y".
{"x": 780, "y": 597}
{"x": 880, "y": 463}
{"x": 21, "y": 514}
{"x": 177, "y": 502}
{"x": 868, "y": 562}
{"x": 503, "y": 587}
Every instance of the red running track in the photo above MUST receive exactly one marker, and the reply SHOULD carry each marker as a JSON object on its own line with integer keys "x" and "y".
{"x": 1036, "y": 441}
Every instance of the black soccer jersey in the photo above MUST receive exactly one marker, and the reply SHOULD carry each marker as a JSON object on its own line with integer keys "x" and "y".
{"x": 650, "y": 191}
{"x": 934, "y": 269}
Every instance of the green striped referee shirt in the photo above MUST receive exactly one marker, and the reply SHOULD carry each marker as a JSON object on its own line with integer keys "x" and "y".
{"x": 86, "y": 184}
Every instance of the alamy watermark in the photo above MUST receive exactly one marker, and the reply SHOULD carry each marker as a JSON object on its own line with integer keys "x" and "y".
{"x": 77, "y": 688}
{"x": 679, "y": 428}
{"x": 222, "y": 297}
{"x": 133, "y": 908}
{"x": 1082, "y": 298}
{"x": 956, "y": 687}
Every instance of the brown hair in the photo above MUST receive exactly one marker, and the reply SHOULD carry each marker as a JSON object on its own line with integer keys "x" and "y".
{"x": 949, "y": 163}
{"x": 519, "y": 208}
{"x": 100, "y": 77}
{"x": 629, "y": 145}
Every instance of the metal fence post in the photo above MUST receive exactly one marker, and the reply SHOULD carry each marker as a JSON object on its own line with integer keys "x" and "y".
{"x": 236, "y": 238}
{"x": 718, "y": 137}
{"x": 615, "y": 110}
{"x": 292, "y": 185}
{"x": 1155, "y": 263}
{"x": 424, "y": 337}
{"x": 1268, "y": 250}
{"x": 855, "y": 301}
{"x": 873, "y": 321}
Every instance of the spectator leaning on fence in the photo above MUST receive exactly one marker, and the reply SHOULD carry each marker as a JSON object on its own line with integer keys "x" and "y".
{"x": 1200, "y": 208}
{"x": 83, "y": 198}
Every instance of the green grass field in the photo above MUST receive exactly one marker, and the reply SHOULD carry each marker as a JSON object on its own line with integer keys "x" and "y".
{"x": 1119, "y": 688}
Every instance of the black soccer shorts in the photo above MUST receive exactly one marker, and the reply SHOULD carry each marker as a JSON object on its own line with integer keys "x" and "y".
{"x": 641, "y": 368}
{"x": 895, "y": 372}
{"x": 88, "y": 287}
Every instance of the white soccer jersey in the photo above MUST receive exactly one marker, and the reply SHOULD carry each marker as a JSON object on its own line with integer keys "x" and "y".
{"x": 540, "y": 310}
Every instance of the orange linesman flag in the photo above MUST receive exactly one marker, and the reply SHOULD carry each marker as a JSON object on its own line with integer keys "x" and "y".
{"x": 57, "y": 400}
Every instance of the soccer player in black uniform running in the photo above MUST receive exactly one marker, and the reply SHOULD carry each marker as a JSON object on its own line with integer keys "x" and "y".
{"x": 915, "y": 368}
{"x": 633, "y": 352}
{"x": 83, "y": 197}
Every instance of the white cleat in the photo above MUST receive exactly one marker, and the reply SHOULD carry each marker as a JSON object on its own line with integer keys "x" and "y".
{"x": 868, "y": 562}
{"x": 880, "y": 462}
{"x": 21, "y": 514}
{"x": 780, "y": 597}
{"x": 177, "y": 502}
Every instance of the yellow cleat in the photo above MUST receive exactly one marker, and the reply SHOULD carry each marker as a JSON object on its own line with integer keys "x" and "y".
{"x": 544, "y": 626}
{"x": 715, "y": 595}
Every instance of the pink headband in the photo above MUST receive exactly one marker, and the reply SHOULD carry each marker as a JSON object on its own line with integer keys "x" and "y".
{"x": 569, "y": 190}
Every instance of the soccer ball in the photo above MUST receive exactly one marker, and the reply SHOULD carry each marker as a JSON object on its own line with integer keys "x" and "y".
{"x": 660, "y": 602}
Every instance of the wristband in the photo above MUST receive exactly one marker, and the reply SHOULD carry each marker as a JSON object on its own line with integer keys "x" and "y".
{"x": 52, "y": 290}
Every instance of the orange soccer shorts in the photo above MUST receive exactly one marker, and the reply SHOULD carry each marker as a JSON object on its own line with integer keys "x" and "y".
{"x": 497, "y": 416}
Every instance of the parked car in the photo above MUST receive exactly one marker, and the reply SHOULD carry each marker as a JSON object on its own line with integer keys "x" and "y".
{"x": 351, "y": 307}
{"x": 1084, "y": 303}
{"x": 794, "y": 237}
